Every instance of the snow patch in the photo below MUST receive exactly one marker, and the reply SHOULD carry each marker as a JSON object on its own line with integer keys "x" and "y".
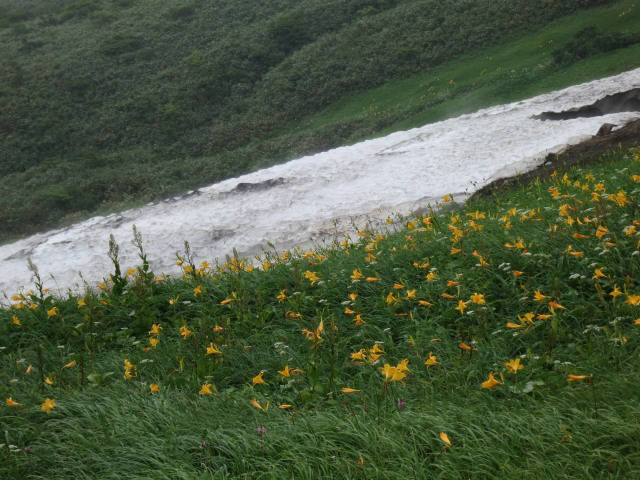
{"x": 319, "y": 196}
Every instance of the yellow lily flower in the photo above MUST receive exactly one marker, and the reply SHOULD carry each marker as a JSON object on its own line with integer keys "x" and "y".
{"x": 491, "y": 382}
{"x": 258, "y": 379}
{"x": 48, "y": 405}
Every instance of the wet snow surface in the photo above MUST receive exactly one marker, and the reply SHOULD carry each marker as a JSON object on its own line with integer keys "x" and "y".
{"x": 311, "y": 199}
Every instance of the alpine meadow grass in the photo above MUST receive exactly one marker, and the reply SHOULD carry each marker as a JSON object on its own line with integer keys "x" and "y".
{"x": 496, "y": 339}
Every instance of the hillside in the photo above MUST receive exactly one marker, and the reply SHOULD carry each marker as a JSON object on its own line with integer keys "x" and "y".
{"x": 112, "y": 103}
{"x": 496, "y": 340}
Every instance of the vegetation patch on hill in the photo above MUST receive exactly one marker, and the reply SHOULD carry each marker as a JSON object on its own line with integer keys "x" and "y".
{"x": 111, "y": 103}
{"x": 489, "y": 340}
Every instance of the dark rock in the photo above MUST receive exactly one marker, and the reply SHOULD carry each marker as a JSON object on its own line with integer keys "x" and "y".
{"x": 628, "y": 101}
{"x": 244, "y": 187}
{"x": 605, "y": 129}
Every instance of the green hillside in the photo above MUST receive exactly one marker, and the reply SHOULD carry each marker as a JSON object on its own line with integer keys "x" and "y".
{"x": 497, "y": 340}
{"x": 110, "y": 103}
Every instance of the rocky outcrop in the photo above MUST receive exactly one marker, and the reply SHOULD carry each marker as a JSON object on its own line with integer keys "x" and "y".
{"x": 628, "y": 101}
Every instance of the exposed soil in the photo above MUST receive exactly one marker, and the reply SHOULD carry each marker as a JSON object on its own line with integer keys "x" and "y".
{"x": 589, "y": 151}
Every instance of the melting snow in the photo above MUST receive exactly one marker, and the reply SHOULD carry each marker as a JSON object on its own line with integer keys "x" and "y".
{"x": 313, "y": 198}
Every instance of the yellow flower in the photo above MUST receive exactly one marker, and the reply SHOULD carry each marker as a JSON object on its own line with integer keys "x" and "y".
{"x": 491, "y": 382}
{"x": 464, "y": 347}
{"x": 478, "y": 298}
{"x": 411, "y": 294}
{"x": 356, "y": 274}
{"x": 636, "y": 321}
{"x": 538, "y": 296}
{"x": 82, "y": 303}
{"x": 218, "y": 329}
{"x": 372, "y": 279}
{"x": 155, "y": 329}
{"x": 514, "y": 365}
{"x": 555, "y": 305}
{"x": 154, "y": 341}
{"x": 359, "y": 355}
{"x": 197, "y": 291}
{"x": 205, "y": 389}
{"x": 213, "y": 350}
{"x": 285, "y": 372}
{"x": 445, "y": 438}
{"x": 483, "y": 262}
{"x": 598, "y": 274}
{"x": 447, "y": 198}
{"x": 392, "y": 373}
{"x": 517, "y": 273}
{"x": 578, "y": 378}
{"x": 455, "y": 251}
{"x": 403, "y": 365}
{"x": 52, "y": 312}
{"x": 185, "y": 332}
{"x": 282, "y": 296}
{"x": 391, "y": 299}
{"x": 601, "y": 231}
{"x": 11, "y": 403}
{"x": 258, "y": 379}
{"x": 285, "y": 406}
{"x": 129, "y": 370}
{"x": 15, "y": 320}
{"x": 462, "y": 306}
{"x": 48, "y": 380}
{"x": 28, "y": 370}
{"x": 431, "y": 361}
{"x": 312, "y": 277}
{"x": 227, "y": 301}
{"x": 72, "y": 363}
{"x": 358, "y": 320}
{"x": 633, "y": 300}
{"x": 255, "y": 404}
{"x": 349, "y": 390}
{"x": 629, "y": 230}
{"x": 48, "y": 405}
{"x": 154, "y": 388}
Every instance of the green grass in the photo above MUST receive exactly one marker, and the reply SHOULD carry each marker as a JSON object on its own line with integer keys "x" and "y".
{"x": 512, "y": 71}
{"x": 571, "y": 245}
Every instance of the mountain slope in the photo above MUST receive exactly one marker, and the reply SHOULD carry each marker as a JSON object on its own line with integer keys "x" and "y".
{"x": 106, "y": 102}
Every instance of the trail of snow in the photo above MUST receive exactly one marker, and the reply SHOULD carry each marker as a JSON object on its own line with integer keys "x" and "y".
{"x": 319, "y": 195}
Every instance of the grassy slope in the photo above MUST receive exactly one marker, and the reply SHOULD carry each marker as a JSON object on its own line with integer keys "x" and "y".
{"x": 515, "y": 70}
{"x": 104, "y": 122}
{"x": 572, "y": 245}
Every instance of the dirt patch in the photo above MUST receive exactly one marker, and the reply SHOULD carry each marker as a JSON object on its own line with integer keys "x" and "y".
{"x": 581, "y": 154}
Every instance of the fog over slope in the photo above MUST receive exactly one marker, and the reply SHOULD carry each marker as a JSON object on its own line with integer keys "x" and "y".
{"x": 314, "y": 198}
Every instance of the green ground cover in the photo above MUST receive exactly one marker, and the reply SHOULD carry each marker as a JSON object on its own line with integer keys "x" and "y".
{"x": 499, "y": 339}
{"x": 111, "y": 103}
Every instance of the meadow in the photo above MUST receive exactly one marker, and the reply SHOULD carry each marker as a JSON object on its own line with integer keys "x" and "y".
{"x": 495, "y": 339}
